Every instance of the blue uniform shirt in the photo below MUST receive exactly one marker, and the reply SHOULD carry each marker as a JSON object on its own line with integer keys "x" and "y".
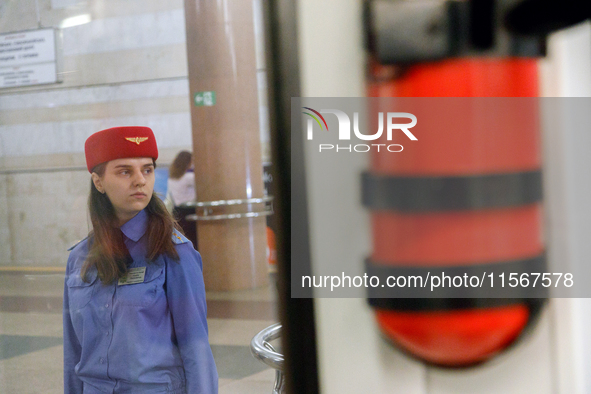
{"x": 138, "y": 338}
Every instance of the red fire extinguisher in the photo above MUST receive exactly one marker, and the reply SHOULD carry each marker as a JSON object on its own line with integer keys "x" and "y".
{"x": 423, "y": 213}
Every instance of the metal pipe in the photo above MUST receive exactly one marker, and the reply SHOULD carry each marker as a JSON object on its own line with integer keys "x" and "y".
{"x": 264, "y": 351}
{"x": 195, "y": 204}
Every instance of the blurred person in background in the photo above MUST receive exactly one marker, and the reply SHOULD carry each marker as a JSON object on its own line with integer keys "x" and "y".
{"x": 134, "y": 316}
{"x": 180, "y": 190}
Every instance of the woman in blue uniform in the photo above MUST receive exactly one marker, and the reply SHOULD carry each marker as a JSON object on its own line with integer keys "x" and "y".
{"x": 134, "y": 299}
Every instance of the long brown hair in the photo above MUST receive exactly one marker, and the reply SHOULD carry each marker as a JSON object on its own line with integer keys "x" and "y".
{"x": 108, "y": 252}
{"x": 180, "y": 164}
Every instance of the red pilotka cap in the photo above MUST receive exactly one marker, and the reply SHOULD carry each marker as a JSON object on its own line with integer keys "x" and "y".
{"x": 119, "y": 143}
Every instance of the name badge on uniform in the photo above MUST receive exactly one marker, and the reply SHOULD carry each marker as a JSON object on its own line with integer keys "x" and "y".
{"x": 134, "y": 275}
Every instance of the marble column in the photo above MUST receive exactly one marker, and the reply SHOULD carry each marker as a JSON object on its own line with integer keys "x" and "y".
{"x": 226, "y": 140}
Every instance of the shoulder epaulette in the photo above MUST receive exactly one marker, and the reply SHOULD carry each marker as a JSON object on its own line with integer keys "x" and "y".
{"x": 178, "y": 238}
{"x": 77, "y": 243}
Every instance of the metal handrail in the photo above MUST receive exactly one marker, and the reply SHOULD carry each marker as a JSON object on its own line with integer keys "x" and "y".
{"x": 219, "y": 203}
{"x": 228, "y": 216}
{"x": 263, "y": 351}
{"x": 267, "y": 210}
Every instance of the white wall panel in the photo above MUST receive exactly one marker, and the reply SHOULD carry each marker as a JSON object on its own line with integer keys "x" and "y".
{"x": 95, "y": 94}
{"x": 59, "y": 4}
{"x": 171, "y": 130}
{"x": 126, "y": 67}
{"x": 47, "y": 215}
{"x": 126, "y": 32}
{"x": 5, "y": 252}
{"x": 566, "y": 72}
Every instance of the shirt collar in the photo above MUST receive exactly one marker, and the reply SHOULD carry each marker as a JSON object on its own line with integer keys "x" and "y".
{"x": 135, "y": 228}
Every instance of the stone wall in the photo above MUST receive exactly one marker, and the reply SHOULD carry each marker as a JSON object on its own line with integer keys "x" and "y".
{"x": 127, "y": 66}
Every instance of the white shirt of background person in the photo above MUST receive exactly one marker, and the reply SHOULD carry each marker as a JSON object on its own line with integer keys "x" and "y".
{"x": 182, "y": 190}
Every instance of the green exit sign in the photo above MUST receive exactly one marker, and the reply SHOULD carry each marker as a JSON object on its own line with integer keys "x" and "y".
{"x": 206, "y": 99}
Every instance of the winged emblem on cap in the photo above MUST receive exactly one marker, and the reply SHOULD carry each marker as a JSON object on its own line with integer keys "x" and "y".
{"x": 137, "y": 140}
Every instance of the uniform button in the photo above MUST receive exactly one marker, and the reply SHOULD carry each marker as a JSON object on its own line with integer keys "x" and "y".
{"x": 106, "y": 305}
{"x": 102, "y": 360}
{"x": 108, "y": 333}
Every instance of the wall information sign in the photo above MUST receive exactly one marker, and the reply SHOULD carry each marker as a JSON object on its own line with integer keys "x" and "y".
{"x": 27, "y": 58}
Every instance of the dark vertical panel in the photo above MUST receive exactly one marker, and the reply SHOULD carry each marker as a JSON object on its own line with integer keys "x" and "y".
{"x": 482, "y": 23}
{"x": 297, "y": 315}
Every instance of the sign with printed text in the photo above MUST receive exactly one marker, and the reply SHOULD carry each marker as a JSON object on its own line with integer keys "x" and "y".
{"x": 27, "y": 58}
{"x": 133, "y": 276}
{"x": 204, "y": 99}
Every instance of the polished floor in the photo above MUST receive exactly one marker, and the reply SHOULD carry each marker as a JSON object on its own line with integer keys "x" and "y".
{"x": 31, "y": 335}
